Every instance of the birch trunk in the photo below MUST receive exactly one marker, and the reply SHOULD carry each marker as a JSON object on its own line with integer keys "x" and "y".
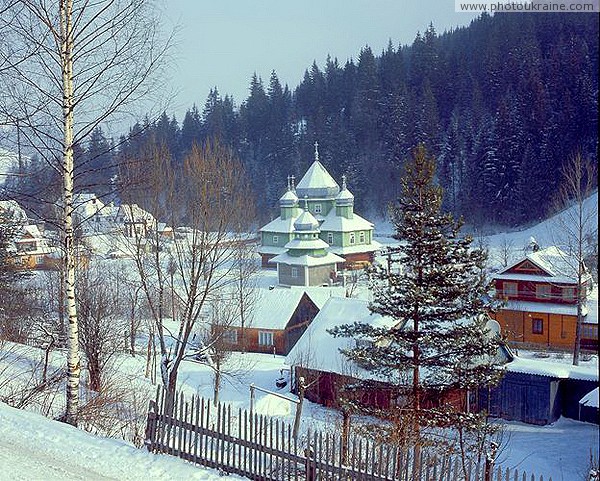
{"x": 73, "y": 360}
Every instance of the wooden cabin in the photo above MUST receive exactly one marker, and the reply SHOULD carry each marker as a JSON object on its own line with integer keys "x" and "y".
{"x": 539, "y": 294}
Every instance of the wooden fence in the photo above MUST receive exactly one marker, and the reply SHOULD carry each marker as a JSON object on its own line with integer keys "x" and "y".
{"x": 261, "y": 448}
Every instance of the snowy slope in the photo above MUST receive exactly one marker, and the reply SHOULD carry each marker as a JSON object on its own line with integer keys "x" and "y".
{"x": 35, "y": 448}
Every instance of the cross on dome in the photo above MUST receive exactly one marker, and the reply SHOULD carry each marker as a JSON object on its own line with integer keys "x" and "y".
{"x": 316, "y": 150}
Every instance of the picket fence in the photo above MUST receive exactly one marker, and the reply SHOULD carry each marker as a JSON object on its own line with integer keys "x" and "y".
{"x": 262, "y": 448}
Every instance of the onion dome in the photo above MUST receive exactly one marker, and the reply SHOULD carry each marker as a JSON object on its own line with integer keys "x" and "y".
{"x": 289, "y": 199}
{"x": 306, "y": 222}
{"x": 345, "y": 197}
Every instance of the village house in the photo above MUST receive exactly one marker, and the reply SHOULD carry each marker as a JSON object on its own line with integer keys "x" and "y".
{"x": 32, "y": 250}
{"x": 91, "y": 215}
{"x": 135, "y": 221}
{"x": 539, "y": 294}
{"x": 328, "y": 236}
{"x": 276, "y": 319}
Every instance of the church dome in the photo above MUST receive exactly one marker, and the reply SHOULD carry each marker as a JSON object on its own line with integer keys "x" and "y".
{"x": 306, "y": 222}
{"x": 289, "y": 199}
{"x": 317, "y": 182}
{"x": 345, "y": 197}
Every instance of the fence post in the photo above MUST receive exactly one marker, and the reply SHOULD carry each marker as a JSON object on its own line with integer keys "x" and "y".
{"x": 301, "y": 388}
{"x": 490, "y": 458}
{"x": 310, "y": 464}
{"x": 150, "y": 425}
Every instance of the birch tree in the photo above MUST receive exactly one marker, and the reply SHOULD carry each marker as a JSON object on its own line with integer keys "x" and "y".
{"x": 66, "y": 67}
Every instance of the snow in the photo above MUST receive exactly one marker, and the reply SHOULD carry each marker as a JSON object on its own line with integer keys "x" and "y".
{"x": 546, "y": 307}
{"x": 319, "y": 350}
{"x": 307, "y": 260}
{"x": 553, "y": 369}
{"x": 271, "y": 405}
{"x": 336, "y": 223}
{"x": 317, "y": 182}
{"x": 591, "y": 398}
{"x": 34, "y": 447}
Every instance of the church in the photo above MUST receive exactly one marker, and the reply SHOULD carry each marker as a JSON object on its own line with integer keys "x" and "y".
{"x": 317, "y": 232}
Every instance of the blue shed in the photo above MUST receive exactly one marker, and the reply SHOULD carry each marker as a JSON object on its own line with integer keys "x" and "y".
{"x": 539, "y": 392}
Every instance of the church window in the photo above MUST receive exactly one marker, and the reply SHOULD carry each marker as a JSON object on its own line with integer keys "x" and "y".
{"x": 275, "y": 239}
{"x": 361, "y": 237}
{"x": 294, "y": 272}
{"x": 330, "y": 238}
{"x": 318, "y": 209}
{"x": 352, "y": 238}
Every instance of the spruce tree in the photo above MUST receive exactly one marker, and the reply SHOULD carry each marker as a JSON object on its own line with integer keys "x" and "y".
{"x": 435, "y": 291}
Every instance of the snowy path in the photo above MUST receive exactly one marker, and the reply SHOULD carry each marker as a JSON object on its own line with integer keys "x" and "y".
{"x": 35, "y": 448}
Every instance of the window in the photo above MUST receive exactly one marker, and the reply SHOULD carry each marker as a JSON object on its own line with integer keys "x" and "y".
{"x": 537, "y": 326}
{"x": 509, "y": 289}
{"x": 542, "y": 291}
{"x": 275, "y": 239}
{"x": 230, "y": 336}
{"x": 361, "y": 238}
{"x": 330, "y": 238}
{"x": 265, "y": 338}
{"x": 568, "y": 293}
{"x": 294, "y": 272}
{"x": 318, "y": 209}
{"x": 352, "y": 238}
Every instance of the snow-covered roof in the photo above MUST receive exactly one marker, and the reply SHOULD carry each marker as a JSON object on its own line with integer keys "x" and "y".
{"x": 559, "y": 265}
{"x": 306, "y": 222}
{"x": 307, "y": 244}
{"x": 319, "y": 350}
{"x": 545, "y": 307}
{"x": 272, "y": 309}
{"x": 270, "y": 250}
{"x": 31, "y": 230}
{"x": 134, "y": 213}
{"x": 552, "y": 369}
{"x": 337, "y": 223}
{"x": 356, "y": 248}
{"x": 591, "y": 398}
{"x": 87, "y": 204}
{"x": 279, "y": 225}
{"x": 289, "y": 199}
{"x": 12, "y": 210}
{"x": 306, "y": 260}
{"x": 317, "y": 182}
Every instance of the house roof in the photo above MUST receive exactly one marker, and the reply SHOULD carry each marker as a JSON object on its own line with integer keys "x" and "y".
{"x": 543, "y": 307}
{"x": 337, "y": 223}
{"x": 559, "y": 370}
{"x": 591, "y": 398}
{"x": 280, "y": 225}
{"x": 557, "y": 264}
{"x": 317, "y": 349}
{"x": 317, "y": 182}
{"x": 356, "y": 248}
{"x": 273, "y": 308}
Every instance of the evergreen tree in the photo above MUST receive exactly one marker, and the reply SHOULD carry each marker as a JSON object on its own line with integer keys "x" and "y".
{"x": 435, "y": 292}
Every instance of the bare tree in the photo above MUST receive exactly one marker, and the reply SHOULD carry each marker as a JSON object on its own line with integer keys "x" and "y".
{"x": 101, "y": 327}
{"x": 576, "y": 222}
{"x": 65, "y": 68}
{"x": 208, "y": 204}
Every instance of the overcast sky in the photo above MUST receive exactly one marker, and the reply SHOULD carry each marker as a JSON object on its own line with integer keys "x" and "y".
{"x": 223, "y": 42}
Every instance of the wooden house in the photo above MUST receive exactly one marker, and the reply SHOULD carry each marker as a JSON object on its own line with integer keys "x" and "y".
{"x": 32, "y": 250}
{"x": 135, "y": 221}
{"x": 275, "y": 321}
{"x": 540, "y": 301}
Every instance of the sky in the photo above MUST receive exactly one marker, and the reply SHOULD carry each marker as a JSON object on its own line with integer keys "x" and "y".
{"x": 223, "y": 42}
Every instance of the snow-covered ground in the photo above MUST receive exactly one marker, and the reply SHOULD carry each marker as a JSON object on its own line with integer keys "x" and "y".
{"x": 33, "y": 447}
{"x": 560, "y": 450}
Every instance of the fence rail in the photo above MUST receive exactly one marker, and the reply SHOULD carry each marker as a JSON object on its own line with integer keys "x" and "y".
{"x": 262, "y": 448}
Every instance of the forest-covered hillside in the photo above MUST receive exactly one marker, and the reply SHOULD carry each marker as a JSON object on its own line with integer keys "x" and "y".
{"x": 501, "y": 103}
